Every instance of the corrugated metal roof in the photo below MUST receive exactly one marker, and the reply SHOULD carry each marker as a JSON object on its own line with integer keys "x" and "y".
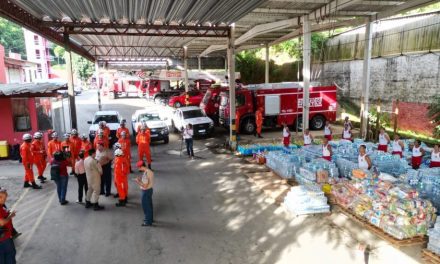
{"x": 33, "y": 88}
{"x": 246, "y": 14}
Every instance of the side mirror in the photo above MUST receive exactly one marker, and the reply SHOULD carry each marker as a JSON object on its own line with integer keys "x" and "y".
{"x": 89, "y": 122}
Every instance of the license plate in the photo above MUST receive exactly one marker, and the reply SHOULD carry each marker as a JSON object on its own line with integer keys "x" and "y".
{"x": 202, "y": 131}
{"x": 154, "y": 135}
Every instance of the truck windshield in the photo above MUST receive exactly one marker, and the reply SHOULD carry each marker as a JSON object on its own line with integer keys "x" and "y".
{"x": 149, "y": 117}
{"x": 106, "y": 118}
{"x": 192, "y": 114}
{"x": 206, "y": 97}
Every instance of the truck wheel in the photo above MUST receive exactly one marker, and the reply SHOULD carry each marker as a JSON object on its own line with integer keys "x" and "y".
{"x": 157, "y": 99}
{"x": 248, "y": 126}
{"x": 318, "y": 122}
{"x": 177, "y": 104}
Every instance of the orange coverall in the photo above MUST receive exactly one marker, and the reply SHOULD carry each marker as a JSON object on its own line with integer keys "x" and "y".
{"x": 27, "y": 159}
{"x": 100, "y": 140}
{"x": 143, "y": 141}
{"x": 125, "y": 147}
{"x": 119, "y": 131}
{"x": 86, "y": 146}
{"x": 106, "y": 137}
{"x": 77, "y": 142}
{"x": 53, "y": 146}
{"x": 122, "y": 168}
{"x": 67, "y": 146}
{"x": 39, "y": 155}
{"x": 259, "y": 120}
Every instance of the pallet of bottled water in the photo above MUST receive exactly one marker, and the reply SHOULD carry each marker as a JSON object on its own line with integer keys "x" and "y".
{"x": 387, "y": 163}
{"x": 346, "y": 167}
{"x": 311, "y": 152}
{"x": 285, "y": 164}
{"x": 302, "y": 200}
{"x": 434, "y": 238}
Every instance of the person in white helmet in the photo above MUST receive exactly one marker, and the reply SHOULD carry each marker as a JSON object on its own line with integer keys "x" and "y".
{"x": 39, "y": 155}
{"x": 121, "y": 170}
{"x": 53, "y": 146}
{"x": 27, "y": 159}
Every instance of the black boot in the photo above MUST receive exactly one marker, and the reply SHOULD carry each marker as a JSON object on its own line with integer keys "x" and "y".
{"x": 116, "y": 195}
{"x": 126, "y": 200}
{"x": 98, "y": 207}
{"x": 44, "y": 178}
{"x": 27, "y": 185}
{"x": 41, "y": 178}
{"x": 120, "y": 203}
{"x": 149, "y": 166}
{"x": 88, "y": 204}
{"x": 35, "y": 186}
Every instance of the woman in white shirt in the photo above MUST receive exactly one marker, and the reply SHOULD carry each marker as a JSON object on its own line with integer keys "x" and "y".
{"x": 286, "y": 135}
{"x": 435, "y": 157}
{"x": 364, "y": 161}
{"x": 328, "y": 132}
{"x": 384, "y": 140}
{"x": 188, "y": 134}
{"x": 417, "y": 154}
{"x": 308, "y": 138}
{"x": 397, "y": 146}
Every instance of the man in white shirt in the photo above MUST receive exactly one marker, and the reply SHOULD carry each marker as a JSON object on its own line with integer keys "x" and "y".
{"x": 188, "y": 134}
{"x": 146, "y": 183}
{"x": 105, "y": 157}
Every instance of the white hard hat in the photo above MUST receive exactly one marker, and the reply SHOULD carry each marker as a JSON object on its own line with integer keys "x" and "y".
{"x": 117, "y": 145}
{"x": 27, "y": 136}
{"x": 105, "y": 123}
{"x": 74, "y": 132}
{"x": 84, "y": 136}
{"x": 119, "y": 152}
{"x": 101, "y": 123}
{"x": 38, "y": 134}
{"x": 66, "y": 136}
{"x": 54, "y": 134}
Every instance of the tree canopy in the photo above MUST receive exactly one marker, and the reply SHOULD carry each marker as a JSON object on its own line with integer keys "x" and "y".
{"x": 83, "y": 68}
{"x": 12, "y": 37}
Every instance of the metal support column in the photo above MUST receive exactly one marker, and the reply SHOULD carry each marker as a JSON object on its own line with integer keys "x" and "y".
{"x": 266, "y": 75}
{"x": 98, "y": 85}
{"x": 307, "y": 45}
{"x": 70, "y": 88}
{"x": 200, "y": 63}
{"x": 231, "y": 78}
{"x": 185, "y": 65}
{"x": 366, "y": 76}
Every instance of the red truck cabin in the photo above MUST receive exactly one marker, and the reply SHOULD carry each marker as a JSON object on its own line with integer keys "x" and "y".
{"x": 211, "y": 102}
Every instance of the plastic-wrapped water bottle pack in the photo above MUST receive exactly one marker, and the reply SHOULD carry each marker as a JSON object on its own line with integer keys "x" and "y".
{"x": 387, "y": 163}
{"x": 285, "y": 164}
{"x": 346, "y": 167}
{"x": 434, "y": 238}
{"x": 308, "y": 199}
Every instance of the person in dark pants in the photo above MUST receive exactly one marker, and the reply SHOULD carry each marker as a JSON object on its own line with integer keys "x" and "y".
{"x": 146, "y": 183}
{"x": 81, "y": 176}
{"x": 63, "y": 178}
{"x": 105, "y": 157}
{"x": 188, "y": 134}
{"x": 7, "y": 247}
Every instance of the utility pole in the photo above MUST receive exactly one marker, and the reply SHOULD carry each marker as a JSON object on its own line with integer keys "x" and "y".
{"x": 70, "y": 88}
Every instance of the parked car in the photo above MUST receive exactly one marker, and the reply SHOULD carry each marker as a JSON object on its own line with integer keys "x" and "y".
{"x": 112, "y": 118}
{"x": 155, "y": 122}
{"x": 195, "y": 97}
{"x": 202, "y": 125}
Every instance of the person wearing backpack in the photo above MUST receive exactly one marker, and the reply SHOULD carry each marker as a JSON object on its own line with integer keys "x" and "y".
{"x": 58, "y": 173}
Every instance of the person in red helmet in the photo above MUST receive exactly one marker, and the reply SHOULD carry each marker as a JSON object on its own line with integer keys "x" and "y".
{"x": 27, "y": 160}
{"x": 39, "y": 155}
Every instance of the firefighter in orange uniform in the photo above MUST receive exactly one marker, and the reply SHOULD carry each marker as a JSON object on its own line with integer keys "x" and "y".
{"x": 143, "y": 123}
{"x": 77, "y": 142}
{"x": 125, "y": 143}
{"x": 143, "y": 141}
{"x": 85, "y": 145}
{"x": 121, "y": 129}
{"x": 100, "y": 138}
{"x": 27, "y": 160}
{"x": 68, "y": 149}
{"x": 259, "y": 121}
{"x": 121, "y": 171}
{"x": 53, "y": 146}
{"x": 105, "y": 131}
{"x": 39, "y": 155}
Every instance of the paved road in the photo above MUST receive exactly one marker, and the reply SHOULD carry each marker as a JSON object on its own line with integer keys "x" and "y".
{"x": 205, "y": 210}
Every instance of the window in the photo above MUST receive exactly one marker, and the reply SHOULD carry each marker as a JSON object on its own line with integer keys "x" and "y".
{"x": 36, "y": 41}
{"x": 106, "y": 118}
{"x": 206, "y": 98}
{"x": 37, "y": 54}
{"x": 20, "y": 114}
{"x": 240, "y": 100}
{"x": 149, "y": 117}
{"x": 44, "y": 113}
{"x": 39, "y": 68}
{"x": 192, "y": 114}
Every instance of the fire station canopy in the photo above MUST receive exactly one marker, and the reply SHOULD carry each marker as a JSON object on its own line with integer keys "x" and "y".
{"x": 41, "y": 88}
{"x": 108, "y": 30}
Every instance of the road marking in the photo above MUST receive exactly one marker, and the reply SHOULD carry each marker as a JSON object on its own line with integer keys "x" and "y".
{"x": 34, "y": 228}
{"x": 23, "y": 194}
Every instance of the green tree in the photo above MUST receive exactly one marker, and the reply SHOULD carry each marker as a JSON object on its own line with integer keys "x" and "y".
{"x": 12, "y": 37}
{"x": 83, "y": 68}
{"x": 59, "y": 52}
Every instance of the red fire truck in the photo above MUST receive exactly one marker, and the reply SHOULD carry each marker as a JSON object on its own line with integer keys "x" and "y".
{"x": 129, "y": 86}
{"x": 282, "y": 102}
{"x": 211, "y": 101}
